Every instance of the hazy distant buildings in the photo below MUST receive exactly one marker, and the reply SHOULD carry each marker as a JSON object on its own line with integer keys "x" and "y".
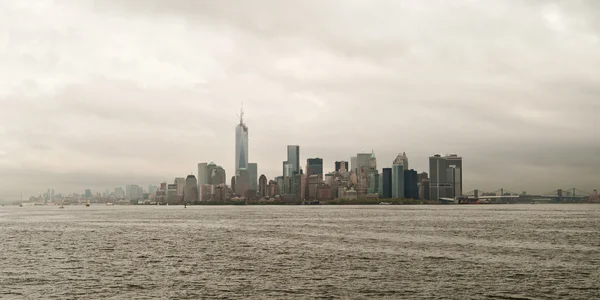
{"x": 445, "y": 176}
{"x": 88, "y": 193}
{"x": 180, "y": 182}
{"x": 242, "y": 182}
{"x": 119, "y": 193}
{"x": 314, "y": 166}
{"x": 190, "y": 193}
{"x": 133, "y": 192}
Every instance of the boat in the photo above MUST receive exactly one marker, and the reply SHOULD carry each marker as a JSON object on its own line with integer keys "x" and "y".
{"x": 87, "y": 204}
{"x": 110, "y": 204}
{"x": 385, "y": 203}
{"x": 61, "y": 205}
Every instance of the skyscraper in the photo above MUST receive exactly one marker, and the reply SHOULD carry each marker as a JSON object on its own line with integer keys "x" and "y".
{"x": 398, "y": 177}
{"x": 445, "y": 176}
{"x": 411, "y": 190}
{"x": 353, "y": 162}
{"x": 362, "y": 163}
{"x": 314, "y": 166}
{"x": 386, "y": 183}
{"x": 262, "y": 185}
{"x": 203, "y": 176}
{"x": 190, "y": 191}
{"x": 293, "y": 157}
{"x": 252, "y": 176}
{"x": 241, "y": 144}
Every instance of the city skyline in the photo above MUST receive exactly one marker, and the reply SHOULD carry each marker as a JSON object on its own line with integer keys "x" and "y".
{"x": 138, "y": 94}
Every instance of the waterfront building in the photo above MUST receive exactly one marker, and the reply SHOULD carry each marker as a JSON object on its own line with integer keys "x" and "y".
{"x": 411, "y": 190}
{"x": 445, "y": 176}
{"x": 262, "y": 185}
{"x": 373, "y": 183}
{"x": 171, "y": 194}
{"x": 203, "y": 175}
{"x": 386, "y": 183}
{"x": 242, "y": 182}
{"x": 180, "y": 182}
{"x": 190, "y": 192}
{"x": 398, "y": 177}
{"x": 218, "y": 176}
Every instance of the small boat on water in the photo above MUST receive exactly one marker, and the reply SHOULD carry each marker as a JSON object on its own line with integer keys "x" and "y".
{"x": 385, "y": 203}
{"x": 110, "y": 204}
{"x": 61, "y": 205}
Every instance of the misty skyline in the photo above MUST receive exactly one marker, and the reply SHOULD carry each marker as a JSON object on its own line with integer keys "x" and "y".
{"x": 100, "y": 94}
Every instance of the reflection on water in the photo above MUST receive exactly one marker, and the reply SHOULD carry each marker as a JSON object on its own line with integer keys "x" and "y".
{"x": 395, "y": 252}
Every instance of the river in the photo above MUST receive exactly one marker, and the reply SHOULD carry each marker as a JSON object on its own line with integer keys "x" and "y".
{"x": 540, "y": 251}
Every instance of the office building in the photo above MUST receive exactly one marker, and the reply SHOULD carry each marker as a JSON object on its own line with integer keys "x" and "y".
{"x": 119, "y": 193}
{"x": 203, "y": 176}
{"x": 293, "y": 157}
{"x": 180, "y": 182}
{"x": 241, "y": 144}
{"x": 411, "y": 189}
{"x": 218, "y": 176}
{"x": 386, "y": 183}
{"x": 171, "y": 195}
{"x": 398, "y": 178}
{"x": 242, "y": 182}
{"x": 362, "y": 163}
{"x": 445, "y": 180}
{"x": 253, "y": 176}
{"x": 353, "y": 163}
{"x": 314, "y": 166}
{"x": 190, "y": 192}
{"x": 373, "y": 183}
{"x": 262, "y": 185}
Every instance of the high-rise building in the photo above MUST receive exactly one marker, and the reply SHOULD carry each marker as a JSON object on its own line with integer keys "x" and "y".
{"x": 152, "y": 189}
{"x": 398, "y": 178}
{"x": 445, "y": 176}
{"x": 88, "y": 193}
{"x": 362, "y": 163}
{"x": 171, "y": 194}
{"x": 314, "y": 166}
{"x": 353, "y": 164}
{"x": 341, "y": 166}
{"x": 190, "y": 192}
{"x": 411, "y": 190}
{"x": 242, "y": 182}
{"x": 132, "y": 192}
{"x": 293, "y": 157}
{"x": 386, "y": 183}
{"x": 262, "y": 185}
{"x": 252, "y": 176}
{"x": 180, "y": 182}
{"x": 119, "y": 193}
{"x": 218, "y": 176}
{"x": 373, "y": 183}
{"x": 203, "y": 176}
{"x": 241, "y": 144}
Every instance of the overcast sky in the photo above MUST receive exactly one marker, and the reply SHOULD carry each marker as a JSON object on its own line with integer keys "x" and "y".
{"x": 99, "y": 94}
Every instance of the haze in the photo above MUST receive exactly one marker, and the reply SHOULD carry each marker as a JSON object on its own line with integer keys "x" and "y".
{"x": 99, "y": 94}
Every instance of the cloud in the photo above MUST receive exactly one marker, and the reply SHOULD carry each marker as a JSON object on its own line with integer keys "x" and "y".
{"x": 120, "y": 92}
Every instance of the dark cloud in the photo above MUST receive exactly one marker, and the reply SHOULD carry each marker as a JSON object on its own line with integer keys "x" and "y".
{"x": 104, "y": 93}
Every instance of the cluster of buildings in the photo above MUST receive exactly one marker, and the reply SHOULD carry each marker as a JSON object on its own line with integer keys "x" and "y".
{"x": 357, "y": 179}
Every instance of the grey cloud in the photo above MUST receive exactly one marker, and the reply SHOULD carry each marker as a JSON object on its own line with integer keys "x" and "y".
{"x": 140, "y": 91}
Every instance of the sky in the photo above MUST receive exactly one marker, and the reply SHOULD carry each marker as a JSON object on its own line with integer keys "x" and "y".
{"x": 100, "y": 94}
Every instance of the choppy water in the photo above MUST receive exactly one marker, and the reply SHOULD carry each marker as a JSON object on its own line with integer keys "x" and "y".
{"x": 375, "y": 252}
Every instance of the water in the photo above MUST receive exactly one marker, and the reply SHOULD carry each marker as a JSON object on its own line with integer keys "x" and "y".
{"x": 296, "y": 252}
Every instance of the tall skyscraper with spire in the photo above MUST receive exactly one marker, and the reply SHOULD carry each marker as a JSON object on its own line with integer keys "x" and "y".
{"x": 241, "y": 144}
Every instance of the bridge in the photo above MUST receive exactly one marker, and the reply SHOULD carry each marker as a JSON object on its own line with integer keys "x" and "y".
{"x": 502, "y": 195}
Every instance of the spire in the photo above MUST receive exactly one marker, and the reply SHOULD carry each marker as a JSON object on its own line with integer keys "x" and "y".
{"x": 242, "y": 114}
{"x": 372, "y": 153}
